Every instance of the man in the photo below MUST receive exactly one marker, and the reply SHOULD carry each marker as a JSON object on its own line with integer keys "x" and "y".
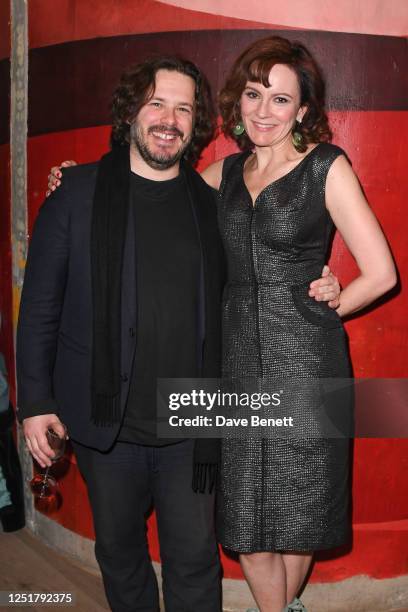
{"x": 123, "y": 285}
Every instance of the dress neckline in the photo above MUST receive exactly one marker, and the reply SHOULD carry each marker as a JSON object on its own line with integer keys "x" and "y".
{"x": 272, "y": 183}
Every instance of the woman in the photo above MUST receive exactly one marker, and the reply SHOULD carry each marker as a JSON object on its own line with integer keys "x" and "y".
{"x": 282, "y": 499}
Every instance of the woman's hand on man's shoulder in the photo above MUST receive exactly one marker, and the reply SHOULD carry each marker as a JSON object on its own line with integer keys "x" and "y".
{"x": 55, "y": 176}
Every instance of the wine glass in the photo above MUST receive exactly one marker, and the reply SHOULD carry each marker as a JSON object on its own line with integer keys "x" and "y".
{"x": 44, "y": 486}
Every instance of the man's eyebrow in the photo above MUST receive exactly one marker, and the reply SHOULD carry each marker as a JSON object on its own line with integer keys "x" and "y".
{"x": 178, "y": 103}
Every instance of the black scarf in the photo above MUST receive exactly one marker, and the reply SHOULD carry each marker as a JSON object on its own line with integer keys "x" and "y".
{"x": 108, "y": 232}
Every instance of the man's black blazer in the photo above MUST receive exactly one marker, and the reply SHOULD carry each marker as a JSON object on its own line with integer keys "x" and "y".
{"x": 54, "y": 335}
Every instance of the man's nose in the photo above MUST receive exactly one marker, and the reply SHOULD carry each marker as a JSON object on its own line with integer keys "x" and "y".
{"x": 169, "y": 116}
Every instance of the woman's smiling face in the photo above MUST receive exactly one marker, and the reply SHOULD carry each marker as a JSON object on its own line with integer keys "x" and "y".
{"x": 269, "y": 113}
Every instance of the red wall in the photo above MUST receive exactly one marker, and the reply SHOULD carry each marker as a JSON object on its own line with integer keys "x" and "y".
{"x": 369, "y": 128}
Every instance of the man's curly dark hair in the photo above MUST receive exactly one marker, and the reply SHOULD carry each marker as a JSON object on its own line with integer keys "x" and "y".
{"x": 136, "y": 87}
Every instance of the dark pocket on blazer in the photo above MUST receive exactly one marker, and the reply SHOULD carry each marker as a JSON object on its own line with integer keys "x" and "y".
{"x": 71, "y": 344}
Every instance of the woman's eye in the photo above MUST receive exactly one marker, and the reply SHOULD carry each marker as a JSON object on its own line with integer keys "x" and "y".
{"x": 281, "y": 100}
{"x": 156, "y": 104}
{"x": 251, "y": 94}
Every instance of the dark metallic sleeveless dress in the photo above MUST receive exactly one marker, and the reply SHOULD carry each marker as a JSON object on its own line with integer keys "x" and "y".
{"x": 280, "y": 494}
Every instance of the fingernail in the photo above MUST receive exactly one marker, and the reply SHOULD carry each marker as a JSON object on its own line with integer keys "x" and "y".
{"x": 58, "y": 174}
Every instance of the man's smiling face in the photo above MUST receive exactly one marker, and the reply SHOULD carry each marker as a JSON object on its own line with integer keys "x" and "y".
{"x": 163, "y": 127}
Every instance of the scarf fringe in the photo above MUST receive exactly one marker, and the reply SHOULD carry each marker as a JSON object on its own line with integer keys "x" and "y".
{"x": 105, "y": 410}
{"x": 204, "y": 477}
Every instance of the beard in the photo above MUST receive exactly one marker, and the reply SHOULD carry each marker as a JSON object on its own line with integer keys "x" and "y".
{"x": 158, "y": 161}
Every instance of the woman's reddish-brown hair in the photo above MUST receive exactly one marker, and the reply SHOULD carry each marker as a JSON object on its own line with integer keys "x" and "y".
{"x": 255, "y": 64}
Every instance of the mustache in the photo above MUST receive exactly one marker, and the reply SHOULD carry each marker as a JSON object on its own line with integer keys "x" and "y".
{"x": 170, "y": 129}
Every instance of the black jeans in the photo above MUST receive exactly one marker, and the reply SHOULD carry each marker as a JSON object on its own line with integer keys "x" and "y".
{"x": 122, "y": 485}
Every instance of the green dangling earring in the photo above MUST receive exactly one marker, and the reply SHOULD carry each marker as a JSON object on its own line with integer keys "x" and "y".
{"x": 297, "y": 138}
{"x": 238, "y": 129}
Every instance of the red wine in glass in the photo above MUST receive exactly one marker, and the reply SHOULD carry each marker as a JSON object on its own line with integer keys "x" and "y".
{"x": 44, "y": 486}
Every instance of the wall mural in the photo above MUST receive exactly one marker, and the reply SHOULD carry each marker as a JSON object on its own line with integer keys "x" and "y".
{"x": 75, "y": 59}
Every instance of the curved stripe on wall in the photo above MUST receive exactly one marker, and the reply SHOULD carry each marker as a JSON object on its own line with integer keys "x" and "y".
{"x": 366, "y": 16}
{"x": 96, "y": 18}
{"x": 70, "y": 85}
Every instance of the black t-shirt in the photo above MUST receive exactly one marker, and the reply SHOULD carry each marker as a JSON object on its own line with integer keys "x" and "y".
{"x": 167, "y": 273}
